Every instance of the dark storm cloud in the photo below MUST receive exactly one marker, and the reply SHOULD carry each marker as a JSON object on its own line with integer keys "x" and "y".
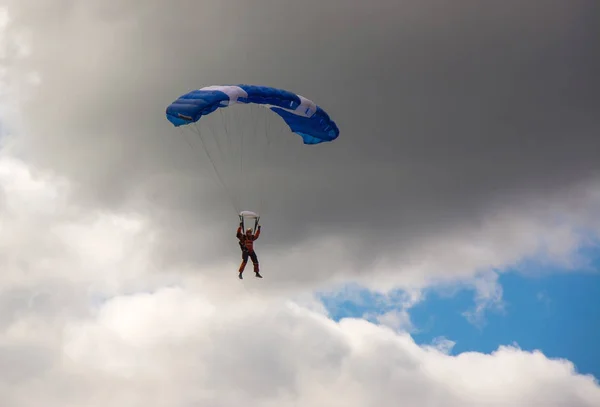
{"x": 445, "y": 108}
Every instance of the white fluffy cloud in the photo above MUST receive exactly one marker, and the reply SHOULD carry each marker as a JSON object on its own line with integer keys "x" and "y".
{"x": 87, "y": 321}
{"x": 276, "y": 353}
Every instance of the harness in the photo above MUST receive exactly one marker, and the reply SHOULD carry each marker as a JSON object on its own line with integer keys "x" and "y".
{"x": 244, "y": 238}
{"x": 243, "y": 241}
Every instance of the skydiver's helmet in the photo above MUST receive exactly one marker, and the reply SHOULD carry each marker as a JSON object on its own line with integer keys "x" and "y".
{"x": 248, "y": 231}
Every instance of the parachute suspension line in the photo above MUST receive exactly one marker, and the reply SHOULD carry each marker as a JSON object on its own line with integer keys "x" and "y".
{"x": 183, "y": 133}
{"x": 231, "y": 149}
{"x": 237, "y": 183}
{"x": 246, "y": 146}
{"x": 225, "y": 127}
{"x": 254, "y": 150}
{"x": 256, "y": 223}
{"x": 278, "y": 131}
{"x": 233, "y": 202}
{"x": 242, "y": 222}
{"x": 223, "y": 154}
{"x": 211, "y": 130}
{"x": 263, "y": 203}
{"x": 253, "y": 141}
{"x": 242, "y": 173}
{"x": 265, "y": 130}
{"x": 215, "y": 136}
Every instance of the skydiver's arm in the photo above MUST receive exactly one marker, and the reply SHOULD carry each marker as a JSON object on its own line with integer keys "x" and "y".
{"x": 239, "y": 232}
{"x": 257, "y": 233}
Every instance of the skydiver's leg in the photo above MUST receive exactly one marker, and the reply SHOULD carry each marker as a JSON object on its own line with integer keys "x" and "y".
{"x": 256, "y": 265}
{"x": 244, "y": 262}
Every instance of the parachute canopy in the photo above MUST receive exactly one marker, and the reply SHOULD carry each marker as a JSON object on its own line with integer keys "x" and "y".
{"x": 239, "y": 144}
{"x": 302, "y": 115}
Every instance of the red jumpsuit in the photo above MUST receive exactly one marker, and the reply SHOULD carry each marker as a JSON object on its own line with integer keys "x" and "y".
{"x": 247, "y": 246}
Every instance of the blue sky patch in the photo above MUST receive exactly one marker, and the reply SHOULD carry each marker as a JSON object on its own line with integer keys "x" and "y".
{"x": 558, "y": 314}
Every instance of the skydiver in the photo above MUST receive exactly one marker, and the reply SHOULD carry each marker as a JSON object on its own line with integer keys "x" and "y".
{"x": 246, "y": 242}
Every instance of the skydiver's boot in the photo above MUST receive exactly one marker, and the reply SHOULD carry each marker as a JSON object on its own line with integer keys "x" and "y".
{"x": 256, "y": 271}
{"x": 241, "y": 270}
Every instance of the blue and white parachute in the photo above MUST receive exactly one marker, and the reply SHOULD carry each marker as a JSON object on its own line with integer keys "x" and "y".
{"x": 232, "y": 140}
{"x": 302, "y": 115}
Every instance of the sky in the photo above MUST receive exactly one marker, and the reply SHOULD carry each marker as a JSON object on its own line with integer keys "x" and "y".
{"x": 553, "y": 314}
{"x": 442, "y": 251}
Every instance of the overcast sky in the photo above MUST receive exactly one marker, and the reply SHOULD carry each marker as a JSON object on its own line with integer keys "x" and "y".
{"x": 468, "y": 142}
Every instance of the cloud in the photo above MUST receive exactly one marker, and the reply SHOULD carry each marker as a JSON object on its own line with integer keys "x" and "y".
{"x": 488, "y": 296}
{"x": 443, "y": 344}
{"x": 445, "y": 167}
{"x": 472, "y": 109}
{"x": 88, "y": 319}
{"x": 396, "y": 312}
{"x": 544, "y": 298}
{"x": 396, "y": 319}
{"x": 172, "y": 346}
{"x": 389, "y": 309}
{"x": 118, "y": 262}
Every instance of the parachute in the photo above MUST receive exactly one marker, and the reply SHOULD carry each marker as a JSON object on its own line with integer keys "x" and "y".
{"x": 247, "y": 215}
{"x": 226, "y": 149}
